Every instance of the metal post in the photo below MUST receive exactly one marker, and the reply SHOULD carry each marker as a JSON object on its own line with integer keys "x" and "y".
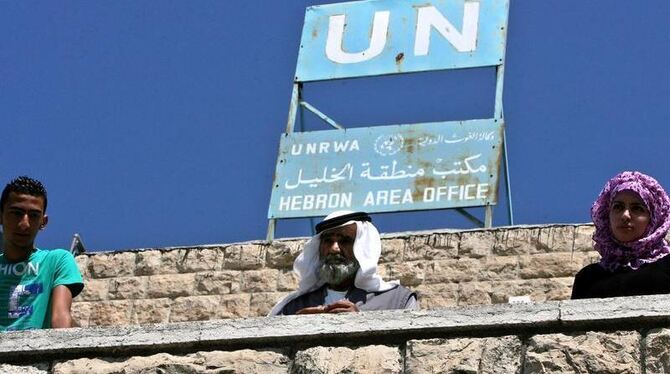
{"x": 498, "y": 109}
{"x": 271, "y": 230}
{"x": 510, "y": 211}
{"x": 293, "y": 107}
{"x": 488, "y": 218}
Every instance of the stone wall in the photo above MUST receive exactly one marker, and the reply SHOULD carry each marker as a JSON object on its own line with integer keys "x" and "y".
{"x": 619, "y": 335}
{"x": 446, "y": 268}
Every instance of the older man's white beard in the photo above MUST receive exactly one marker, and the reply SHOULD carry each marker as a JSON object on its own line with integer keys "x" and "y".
{"x": 336, "y": 269}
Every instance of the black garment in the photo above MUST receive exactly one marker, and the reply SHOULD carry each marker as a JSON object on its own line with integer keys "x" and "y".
{"x": 649, "y": 279}
{"x": 395, "y": 298}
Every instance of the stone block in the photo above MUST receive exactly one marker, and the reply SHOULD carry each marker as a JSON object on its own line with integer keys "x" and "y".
{"x": 657, "y": 353}
{"x": 171, "y": 261}
{"x": 108, "y": 265}
{"x": 195, "y": 308}
{"x": 42, "y": 368}
{"x": 476, "y": 244}
{"x": 244, "y": 257}
{"x": 539, "y": 290}
{"x": 558, "y": 288}
{"x": 264, "y": 280}
{"x": 370, "y": 359}
{"x": 591, "y": 352}
{"x": 588, "y": 258}
{"x": 555, "y": 239}
{"x": 170, "y": 285}
{"x": 94, "y": 290}
{"x": 242, "y": 361}
{"x": 110, "y": 313}
{"x": 217, "y": 282}
{"x": 148, "y": 262}
{"x": 80, "y": 312}
{"x": 82, "y": 264}
{"x": 452, "y": 271}
{"x": 261, "y": 303}
{"x": 464, "y": 355}
{"x": 392, "y": 250}
{"x": 234, "y": 306}
{"x": 150, "y": 311}
{"x": 408, "y": 273}
{"x": 127, "y": 288}
{"x": 583, "y": 241}
{"x": 549, "y": 265}
{"x": 158, "y": 363}
{"x": 499, "y": 268}
{"x": 514, "y": 242}
{"x": 437, "y": 296}
{"x": 201, "y": 259}
{"x": 281, "y": 254}
{"x": 442, "y": 246}
{"x": 474, "y": 293}
{"x": 287, "y": 281}
{"x": 414, "y": 248}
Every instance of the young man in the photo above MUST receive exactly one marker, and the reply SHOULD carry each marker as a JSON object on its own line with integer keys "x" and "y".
{"x": 338, "y": 271}
{"x": 36, "y": 286}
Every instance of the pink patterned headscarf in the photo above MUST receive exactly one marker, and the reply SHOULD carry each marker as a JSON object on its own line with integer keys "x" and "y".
{"x": 652, "y": 246}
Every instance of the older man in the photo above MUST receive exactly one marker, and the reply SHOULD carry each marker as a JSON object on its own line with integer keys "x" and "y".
{"x": 338, "y": 271}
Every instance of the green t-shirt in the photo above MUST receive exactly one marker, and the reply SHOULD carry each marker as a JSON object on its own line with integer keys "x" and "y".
{"x": 25, "y": 287}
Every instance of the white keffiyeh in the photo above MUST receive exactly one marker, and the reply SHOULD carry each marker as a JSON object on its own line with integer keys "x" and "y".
{"x": 367, "y": 250}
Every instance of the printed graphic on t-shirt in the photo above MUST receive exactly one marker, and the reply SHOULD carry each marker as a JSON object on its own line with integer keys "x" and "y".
{"x": 15, "y": 309}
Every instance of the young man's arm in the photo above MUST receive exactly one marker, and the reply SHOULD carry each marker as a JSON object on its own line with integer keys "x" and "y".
{"x": 61, "y": 302}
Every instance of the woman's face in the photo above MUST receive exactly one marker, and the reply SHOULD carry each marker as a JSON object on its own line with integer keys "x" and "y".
{"x": 629, "y": 217}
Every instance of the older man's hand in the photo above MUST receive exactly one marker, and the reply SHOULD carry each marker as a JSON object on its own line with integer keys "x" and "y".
{"x": 312, "y": 310}
{"x": 342, "y": 306}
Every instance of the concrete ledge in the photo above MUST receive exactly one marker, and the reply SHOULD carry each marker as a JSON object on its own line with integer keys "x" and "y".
{"x": 387, "y": 327}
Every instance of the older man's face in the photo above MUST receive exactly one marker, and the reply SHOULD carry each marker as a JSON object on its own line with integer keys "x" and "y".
{"x": 336, "y": 250}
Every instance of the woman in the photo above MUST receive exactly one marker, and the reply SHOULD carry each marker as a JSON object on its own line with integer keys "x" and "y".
{"x": 631, "y": 216}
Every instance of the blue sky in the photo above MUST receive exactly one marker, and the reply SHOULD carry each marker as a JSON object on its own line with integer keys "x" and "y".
{"x": 158, "y": 124}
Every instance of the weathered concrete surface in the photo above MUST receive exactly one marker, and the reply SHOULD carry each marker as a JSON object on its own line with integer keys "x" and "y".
{"x": 279, "y": 331}
{"x": 488, "y": 320}
{"x": 617, "y": 311}
{"x": 619, "y": 335}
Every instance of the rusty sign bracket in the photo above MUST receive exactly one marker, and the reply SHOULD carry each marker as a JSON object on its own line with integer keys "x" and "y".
{"x": 470, "y": 217}
{"x": 320, "y": 114}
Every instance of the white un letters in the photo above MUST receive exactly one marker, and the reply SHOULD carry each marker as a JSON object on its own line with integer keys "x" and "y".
{"x": 428, "y": 17}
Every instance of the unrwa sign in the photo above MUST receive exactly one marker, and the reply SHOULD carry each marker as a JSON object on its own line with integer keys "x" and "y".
{"x": 387, "y": 168}
{"x": 379, "y": 37}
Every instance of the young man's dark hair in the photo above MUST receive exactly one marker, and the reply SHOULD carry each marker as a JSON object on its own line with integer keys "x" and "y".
{"x": 24, "y": 185}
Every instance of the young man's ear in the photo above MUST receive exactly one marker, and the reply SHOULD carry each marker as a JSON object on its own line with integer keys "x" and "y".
{"x": 45, "y": 221}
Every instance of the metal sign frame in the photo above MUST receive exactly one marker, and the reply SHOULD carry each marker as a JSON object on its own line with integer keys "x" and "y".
{"x": 386, "y": 55}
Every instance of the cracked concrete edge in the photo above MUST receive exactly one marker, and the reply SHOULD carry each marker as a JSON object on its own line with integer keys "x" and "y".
{"x": 284, "y": 331}
{"x": 652, "y": 308}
